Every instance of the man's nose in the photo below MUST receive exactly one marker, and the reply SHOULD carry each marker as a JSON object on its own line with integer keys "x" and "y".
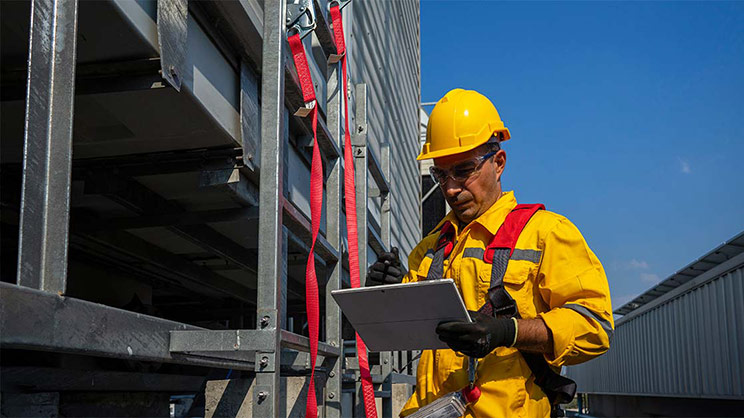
{"x": 451, "y": 188}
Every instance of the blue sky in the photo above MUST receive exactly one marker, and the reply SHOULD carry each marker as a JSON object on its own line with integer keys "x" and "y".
{"x": 628, "y": 118}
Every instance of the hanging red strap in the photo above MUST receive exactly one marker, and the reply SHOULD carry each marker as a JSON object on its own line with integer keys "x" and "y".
{"x": 316, "y": 203}
{"x": 368, "y": 392}
{"x": 303, "y": 70}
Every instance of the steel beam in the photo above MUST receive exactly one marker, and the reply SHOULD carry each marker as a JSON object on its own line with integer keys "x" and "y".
{"x": 216, "y": 341}
{"x": 374, "y": 238}
{"x": 360, "y": 151}
{"x": 237, "y": 344}
{"x": 378, "y": 175}
{"x": 385, "y": 197}
{"x": 123, "y": 248}
{"x": 137, "y": 197}
{"x": 233, "y": 182}
{"x": 52, "y": 379}
{"x": 271, "y": 253}
{"x": 241, "y": 23}
{"x": 250, "y": 116}
{"x": 172, "y": 21}
{"x": 95, "y": 78}
{"x": 167, "y": 220}
{"x": 170, "y": 162}
{"x": 387, "y": 358}
{"x": 37, "y": 320}
{"x": 323, "y": 30}
{"x": 300, "y": 226}
{"x": 302, "y": 343}
{"x": 334, "y": 203}
{"x": 45, "y": 199}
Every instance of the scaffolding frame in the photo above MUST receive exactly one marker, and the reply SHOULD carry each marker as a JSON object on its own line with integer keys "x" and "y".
{"x": 38, "y": 302}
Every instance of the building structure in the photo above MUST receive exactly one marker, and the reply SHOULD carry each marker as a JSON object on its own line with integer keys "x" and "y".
{"x": 678, "y": 348}
{"x": 165, "y": 131}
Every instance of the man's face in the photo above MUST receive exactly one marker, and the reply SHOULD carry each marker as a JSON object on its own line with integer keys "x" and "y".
{"x": 471, "y": 197}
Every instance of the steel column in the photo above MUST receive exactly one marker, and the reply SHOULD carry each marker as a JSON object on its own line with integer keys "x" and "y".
{"x": 387, "y": 358}
{"x": 270, "y": 234}
{"x": 359, "y": 149}
{"x": 334, "y": 187}
{"x": 385, "y": 197}
{"x": 250, "y": 127}
{"x": 45, "y": 199}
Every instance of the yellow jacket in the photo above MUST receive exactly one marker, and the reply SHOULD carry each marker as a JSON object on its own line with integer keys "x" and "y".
{"x": 552, "y": 275}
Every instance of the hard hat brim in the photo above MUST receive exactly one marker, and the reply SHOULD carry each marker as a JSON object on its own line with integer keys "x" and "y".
{"x": 458, "y": 150}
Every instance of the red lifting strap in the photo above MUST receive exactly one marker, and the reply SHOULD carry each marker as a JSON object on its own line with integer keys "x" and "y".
{"x": 508, "y": 233}
{"x": 303, "y": 70}
{"x": 312, "y": 303}
{"x": 368, "y": 392}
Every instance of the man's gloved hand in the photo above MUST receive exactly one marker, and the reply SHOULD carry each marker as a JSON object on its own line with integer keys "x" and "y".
{"x": 480, "y": 337}
{"x": 386, "y": 270}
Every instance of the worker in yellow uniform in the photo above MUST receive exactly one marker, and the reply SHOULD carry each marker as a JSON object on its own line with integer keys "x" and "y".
{"x": 563, "y": 314}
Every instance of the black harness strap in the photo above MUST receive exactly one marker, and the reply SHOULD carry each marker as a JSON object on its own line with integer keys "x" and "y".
{"x": 445, "y": 244}
{"x": 499, "y": 303}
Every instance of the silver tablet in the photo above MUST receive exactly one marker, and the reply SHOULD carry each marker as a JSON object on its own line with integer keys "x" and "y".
{"x": 402, "y": 316}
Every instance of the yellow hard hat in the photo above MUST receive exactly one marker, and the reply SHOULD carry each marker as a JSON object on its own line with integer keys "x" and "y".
{"x": 461, "y": 121}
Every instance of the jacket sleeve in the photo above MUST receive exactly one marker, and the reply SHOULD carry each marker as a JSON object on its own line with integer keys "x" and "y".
{"x": 573, "y": 284}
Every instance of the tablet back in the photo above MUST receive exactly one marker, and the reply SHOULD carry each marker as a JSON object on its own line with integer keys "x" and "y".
{"x": 402, "y": 316}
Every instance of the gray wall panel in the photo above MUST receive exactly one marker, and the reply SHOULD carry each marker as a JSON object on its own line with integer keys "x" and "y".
{"x": 690, "y": 346}
{"x": 384, "y": 53}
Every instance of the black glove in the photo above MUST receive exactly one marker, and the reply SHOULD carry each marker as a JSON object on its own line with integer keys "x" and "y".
{"x": 480, "y": 337}
{"x": 386, "y": 270}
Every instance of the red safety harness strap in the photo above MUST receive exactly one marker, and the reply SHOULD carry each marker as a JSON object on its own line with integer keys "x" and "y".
{"x": 507, "y": 235}
{"x": 559, "y": 389}
{"x": 368, "y": 392}
{"x": 312, "y": 303}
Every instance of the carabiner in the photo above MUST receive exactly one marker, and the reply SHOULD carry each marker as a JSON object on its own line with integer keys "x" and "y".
{"x": 301, "y": 18}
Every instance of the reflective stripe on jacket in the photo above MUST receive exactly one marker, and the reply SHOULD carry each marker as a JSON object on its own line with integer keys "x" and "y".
{"x": 552, "y": 275}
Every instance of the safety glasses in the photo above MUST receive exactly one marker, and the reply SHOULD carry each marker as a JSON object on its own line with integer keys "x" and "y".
{"x": 461, "y": 172}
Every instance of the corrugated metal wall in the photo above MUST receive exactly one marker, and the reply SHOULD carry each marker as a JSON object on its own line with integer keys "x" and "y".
{"x": 384, "y": 53}
{"x": 689, "y": 346}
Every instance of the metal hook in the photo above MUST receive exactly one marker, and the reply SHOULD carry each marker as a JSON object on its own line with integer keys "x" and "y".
{"x": 300, "y": 18}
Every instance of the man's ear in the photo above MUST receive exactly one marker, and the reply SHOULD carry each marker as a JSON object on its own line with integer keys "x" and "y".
{"x": 500, "y": 160}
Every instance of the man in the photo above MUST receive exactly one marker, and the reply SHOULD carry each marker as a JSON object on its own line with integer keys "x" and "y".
{"x": 563, "y": 314}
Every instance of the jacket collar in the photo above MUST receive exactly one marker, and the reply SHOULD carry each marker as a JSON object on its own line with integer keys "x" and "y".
{"x": 490, "y": 219}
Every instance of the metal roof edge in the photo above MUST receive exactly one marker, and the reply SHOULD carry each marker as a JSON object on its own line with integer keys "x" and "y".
{"x": 734, "y": 245}
{"x": 717, "y": 271}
